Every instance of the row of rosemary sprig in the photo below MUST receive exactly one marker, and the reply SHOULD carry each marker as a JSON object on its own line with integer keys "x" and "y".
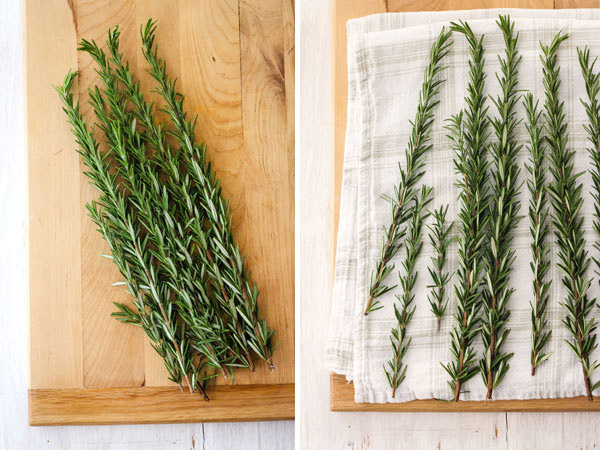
{"x": 168, "y": 227}
{"x": 489, "y": 211}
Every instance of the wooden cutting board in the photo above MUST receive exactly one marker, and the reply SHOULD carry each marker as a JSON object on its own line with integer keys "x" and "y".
{"x": 341, "y": 392}
{"x": 235, "y": 62}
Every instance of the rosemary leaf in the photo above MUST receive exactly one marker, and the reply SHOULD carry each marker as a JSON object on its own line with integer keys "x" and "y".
{"x": 405, "y": 310}
{"x": 504, "y": 209}
{"x": 468, "y": 132}
{"x": 406, "y": 191}
{"x": 538, "y": 215}
{"x": 566, "y": 197}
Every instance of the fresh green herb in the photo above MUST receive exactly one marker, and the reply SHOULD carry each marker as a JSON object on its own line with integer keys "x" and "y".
{"x": 173, "y": 251}
{"x": 592, "y": 109}
{"x": 566, "y": 196}
{"x": 440, "y": 239}
{"x": 223, "y": 260}
{"x": 468, "y": 132}
{"x": 161, "y": 211}
{"x": 419, "y": 144}
{"x": 119, "y": 222}
{"x": 503, "y": 210}
{"x": 405, "y": 310}
{"x": 538, "y": 215}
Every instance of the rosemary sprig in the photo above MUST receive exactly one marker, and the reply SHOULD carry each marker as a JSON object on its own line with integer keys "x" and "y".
{"x": 504, "y": 209}
{"x": 440, "y": 239}
{"x": 404, "y": 310}
{"x": 538, "y": 214}
{"x": 592, "y": 109}
{"x": 418, "y": 145}
{"x": 184, "y": 194}
{"x": 225, "y": 264}
{"x": 566, "y": 196}
{"x": 468, "y": 132}
{"x": 118, "y": 221}
{"x": 171, "y": 248}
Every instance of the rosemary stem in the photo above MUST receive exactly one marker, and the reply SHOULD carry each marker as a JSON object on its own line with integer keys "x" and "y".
{"x": 566, "y": 195}
{"x": 468, "y": 131}
{"x": 539, "y": 229}
{"x": 418, "y": 145}
{"x": 504, "y": 209}
{"x": 439, "y": 237}
{"x": 396, "y": 370}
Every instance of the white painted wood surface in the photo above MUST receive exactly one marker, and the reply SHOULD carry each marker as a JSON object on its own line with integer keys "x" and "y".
{"x": 319, "y": 428}
{"x": 15, "y": 433}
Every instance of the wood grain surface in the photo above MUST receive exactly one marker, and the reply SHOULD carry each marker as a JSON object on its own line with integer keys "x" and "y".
{"x": 148, "y": 405}
{"x": 234, "y": 61}
{"x": 341, "y": 392}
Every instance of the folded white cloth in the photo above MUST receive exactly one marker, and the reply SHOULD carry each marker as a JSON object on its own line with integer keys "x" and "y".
{"x": 387, "y": 55}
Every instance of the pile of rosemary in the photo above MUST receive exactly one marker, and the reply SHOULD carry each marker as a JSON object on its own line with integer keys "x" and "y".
{"x": 161, "y": 210}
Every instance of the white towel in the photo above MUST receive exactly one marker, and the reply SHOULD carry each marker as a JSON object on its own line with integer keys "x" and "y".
{"x": 387, "y": 55}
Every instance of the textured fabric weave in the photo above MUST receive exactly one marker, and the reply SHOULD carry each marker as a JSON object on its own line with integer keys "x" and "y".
{"x": 387, "y": 55}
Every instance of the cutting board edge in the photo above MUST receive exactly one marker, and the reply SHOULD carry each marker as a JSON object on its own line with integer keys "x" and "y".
{"x": 342, "y": 400}
{"x": 153, "y": 405}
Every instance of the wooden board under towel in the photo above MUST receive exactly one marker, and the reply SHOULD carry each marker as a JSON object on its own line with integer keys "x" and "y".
{"x": 342, "y": 393}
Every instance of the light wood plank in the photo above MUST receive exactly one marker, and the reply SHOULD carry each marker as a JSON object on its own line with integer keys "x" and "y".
{"x": 565, "y": 4}
{"x": 249, "y": 436}
{"x": 201, "y": 44}
{"x": 54, "y": 217}
{"x": 342, "y": 399}
{"x": 168, "y": 43}
{"x": 14, "y": 429}
{"x": 289, "y": 58}
{"x": 159, "y": 405}
{"x": 211, "y": 82}
{"x": 113, "y": 354}
{"x": 553, "y": 431}
{"x": 269, "y": 183}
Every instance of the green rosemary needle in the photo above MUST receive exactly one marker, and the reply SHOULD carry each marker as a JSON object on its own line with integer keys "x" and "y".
{"x": 566, "y": 197}
{"x": 224, "y": 262}
{"x": 405, "y": 310}
{"x": 538, "y": 215}
{"x": 418, "y": 145}
{"x": 592, "y": 109}
{"x": 468, "y": 132}
{"x": 439, "y": 237}
{"x": 503, "y": 210}
{"x": 118, "y": 221}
